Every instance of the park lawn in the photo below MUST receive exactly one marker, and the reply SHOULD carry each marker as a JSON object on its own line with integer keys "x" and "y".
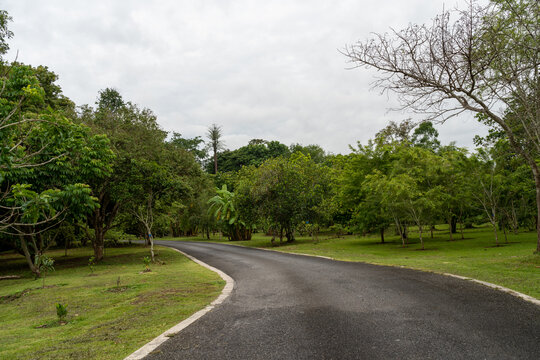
{"x": 512, "y": 265}
{"x": 112, "y": 311}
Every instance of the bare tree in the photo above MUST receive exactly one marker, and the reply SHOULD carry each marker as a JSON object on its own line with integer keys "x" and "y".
{"x": 484, "y": 59}
{"x": 214, "y": 135}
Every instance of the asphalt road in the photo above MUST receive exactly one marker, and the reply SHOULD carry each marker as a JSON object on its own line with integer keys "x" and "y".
{"x": 297, "y": 307}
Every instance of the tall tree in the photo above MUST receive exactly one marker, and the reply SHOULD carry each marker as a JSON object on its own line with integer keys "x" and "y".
{"x": 135, "y": 135}
{"x": 486, "y": 61}
{"x": 5, "y": 33}
{"x": 45, "y": 159}
{"x": 214, "y": 136}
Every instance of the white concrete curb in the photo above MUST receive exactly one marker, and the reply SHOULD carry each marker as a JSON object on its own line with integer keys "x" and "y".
{"x": 498, "y": 287}
{"x": 152, "y": 345}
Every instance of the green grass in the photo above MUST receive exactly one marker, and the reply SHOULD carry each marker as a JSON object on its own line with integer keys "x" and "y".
{"x": 104, "y": 321}
{"x": 512, "y": 265}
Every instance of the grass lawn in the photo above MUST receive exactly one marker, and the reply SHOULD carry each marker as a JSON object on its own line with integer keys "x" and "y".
{"x": 512, "y": 265}
{"x": 111, "y": 312}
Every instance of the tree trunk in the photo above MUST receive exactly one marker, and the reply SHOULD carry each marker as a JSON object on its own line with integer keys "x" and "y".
{"x": 400, "y": 230}
{"x": 493, "y": 221}
{"x": 382, "y": 235}
{"x": 406, "y": 234}
{"x": 496, "y": 234}
{"x": 215, "y": 161}
{"x": 146, "y": 239}
{"x": 450, "y": 229}
{"x": 536, "y": 173}
{"x": 100, "y": 220}
{"x": 421, "y": 239}
{"x": 151, "y": 238}
{"x": 98, "y": 243}
{"x": 289, "y": 233}
{"x": 28, "y": 257}
{"x": 453, "y": 224}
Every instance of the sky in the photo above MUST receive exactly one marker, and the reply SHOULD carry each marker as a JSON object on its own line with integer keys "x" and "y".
{"x": 259, "y": 69}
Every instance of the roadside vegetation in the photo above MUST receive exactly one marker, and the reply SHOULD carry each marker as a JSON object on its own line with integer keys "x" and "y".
{"x": 113, "y": 307}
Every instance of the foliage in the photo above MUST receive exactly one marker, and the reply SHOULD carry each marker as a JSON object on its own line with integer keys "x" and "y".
{"x": 61, "y": 311}
{"x": 91, "y": 263}
{"x": 222, "y": 205}
{"x": 5, "y": 33}
{"x": 44, "y": 264}
{"x": 253, "y": 154}
{"x": 147, "y": 261}
{"x": 287, "y": 191}
{"x": 191, "y": 145}
{"x": 215, "y": 143}
{"x": 45, "y": 159}
{"x": 483, "y": 59}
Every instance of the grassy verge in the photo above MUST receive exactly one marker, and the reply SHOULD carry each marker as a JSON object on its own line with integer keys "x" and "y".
{"x": 112, "y": 311}
{"x": 512, "y": 265}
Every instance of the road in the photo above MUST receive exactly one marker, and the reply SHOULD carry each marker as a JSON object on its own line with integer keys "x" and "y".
{"x": 288, "y": 306}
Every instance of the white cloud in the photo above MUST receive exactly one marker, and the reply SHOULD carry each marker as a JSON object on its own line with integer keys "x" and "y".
{"x": 267, "y": 70}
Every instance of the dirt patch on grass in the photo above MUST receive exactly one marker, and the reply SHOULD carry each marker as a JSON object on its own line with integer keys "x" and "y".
{"x": 11, "y": 297}
{"x": 117, "y": 289}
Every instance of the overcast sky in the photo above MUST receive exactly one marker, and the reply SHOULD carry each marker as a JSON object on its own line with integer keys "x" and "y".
{"x": 260, "y": 69}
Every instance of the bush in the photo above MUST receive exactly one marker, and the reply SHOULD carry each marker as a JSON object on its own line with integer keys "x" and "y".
{"x": 61, "y": 311}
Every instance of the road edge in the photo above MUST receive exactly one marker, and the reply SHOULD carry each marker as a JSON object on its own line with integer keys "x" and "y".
{"x": 506, "y": 290}
{"x": 160, "y": 339}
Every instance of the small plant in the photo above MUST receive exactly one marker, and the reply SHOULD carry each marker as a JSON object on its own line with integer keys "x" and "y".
{"x": 44, "y": 265}
{"x": 91, "y": 263}
{"x": 118, "y": 282}
{"x": 61, "y": 311}
{"x": 146, "y": 261}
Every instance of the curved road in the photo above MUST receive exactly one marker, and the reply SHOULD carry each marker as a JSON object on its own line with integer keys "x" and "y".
{"x": 297, "y": 307}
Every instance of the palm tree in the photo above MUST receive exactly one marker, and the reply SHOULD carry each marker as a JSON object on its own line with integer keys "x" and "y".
{"x": 214, "y": 135}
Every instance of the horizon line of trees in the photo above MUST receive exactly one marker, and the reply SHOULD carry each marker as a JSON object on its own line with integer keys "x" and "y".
{"x": 80, "y": 173}
{"x": 402, "y": 178}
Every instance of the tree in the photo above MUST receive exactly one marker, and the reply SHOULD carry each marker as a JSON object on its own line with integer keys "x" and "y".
{"x": 288, "y": 191}
{"x": 192, "y": 145}
{"x": 5, "y": 33}
{"x": 151, "y": 185}
{"x": 426, "y": 136}
{"x": 452, "y": 175}
{"x": 134, "y": 135}
{"x": 367, "y": 214}
{"x": 255, "y": 153}
{"x": 486, "y": 61}
{"x": 214, "y": 136}
{"x": 396, "y": 133}
{"x": 315, "y": 152}
{"x": 45, "y": 159}
{"x": 488, "y": 189}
